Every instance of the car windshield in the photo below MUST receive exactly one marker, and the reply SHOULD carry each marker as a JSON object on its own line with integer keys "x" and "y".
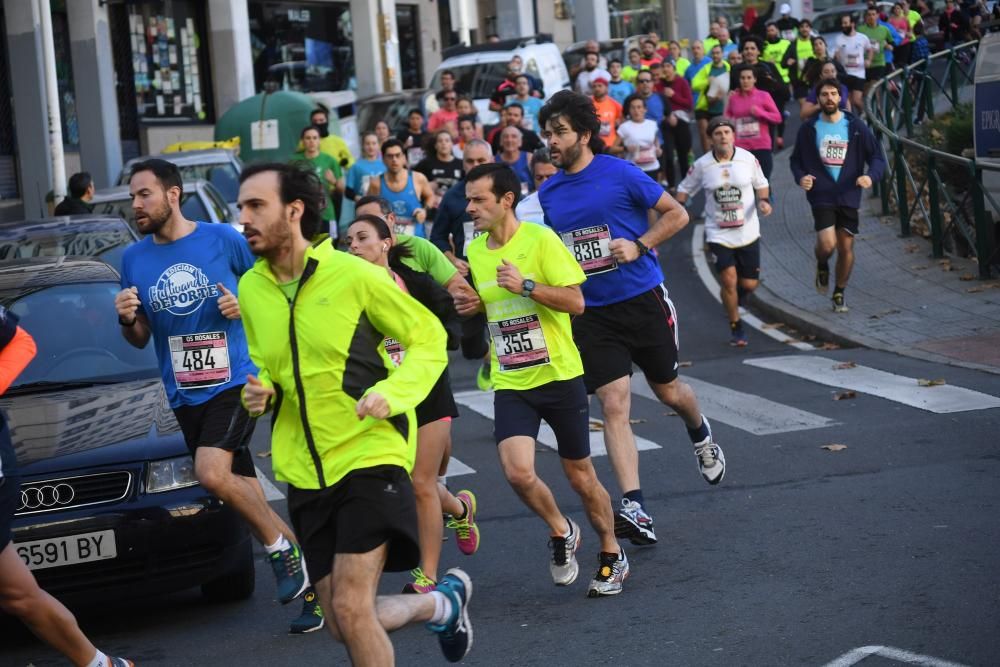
{"x": 103, "y": 240}
{"x": 223, "y": 175}
{"x": 828, "y": 23}
{"x": 392, "y": 110}
{"x": 77, "y": 336}
{"x": 191, "y": 206}
{"x": 478, "y": 80}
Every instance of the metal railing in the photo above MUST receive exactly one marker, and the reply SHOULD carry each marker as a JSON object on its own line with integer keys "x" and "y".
{"x": 894, "y": 106}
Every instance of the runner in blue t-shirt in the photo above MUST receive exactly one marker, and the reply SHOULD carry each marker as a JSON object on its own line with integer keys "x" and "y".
{"x": 178, "y": 288}
{"x": 600, "y": 207}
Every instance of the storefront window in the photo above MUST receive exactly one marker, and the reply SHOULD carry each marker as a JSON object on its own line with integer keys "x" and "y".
{"x": 408, "y": 31}
{"x": 64, "y": 75}
{"x": 161, "y": 52}
{"x": 634, "y": 17}
{"x": 302, "y": 46}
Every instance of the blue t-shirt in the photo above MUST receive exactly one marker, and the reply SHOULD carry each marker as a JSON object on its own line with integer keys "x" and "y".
{"x": 360, "y": 174}
{"x": 609, "y": 199}
{"x": 200, "y": 352}
{"x": 655, "y": 109}
{"x": 831, "y": 142}
{"x": 531, "y": 107}
{"x": 620, "y": 90}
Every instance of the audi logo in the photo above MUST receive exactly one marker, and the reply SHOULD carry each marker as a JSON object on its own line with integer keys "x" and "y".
{"x": 45, "y": 496}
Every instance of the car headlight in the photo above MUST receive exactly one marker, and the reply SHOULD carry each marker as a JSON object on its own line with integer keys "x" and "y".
{"x": 170, "y": 474}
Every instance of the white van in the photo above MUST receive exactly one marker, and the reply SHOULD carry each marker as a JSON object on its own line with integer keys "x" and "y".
{"x": 480, "y": 69}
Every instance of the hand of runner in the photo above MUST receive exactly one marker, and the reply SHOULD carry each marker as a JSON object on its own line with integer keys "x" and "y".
{"x": 764, "y": 207}
{"x": 127, "y": 303}
{"x": 256, "y": 396}
{"x": 461, "y": 265}
{"x": 467, "y": 304}
{"x": 229, "y": 306}
{"x": 509, "y": 278}
{"x": 807, "y": 182}
{"x": 624, "y": 250}
{"x": 373, "y": 405}
{"x": 419, "y": 214}
{"x": 864, "y": 181}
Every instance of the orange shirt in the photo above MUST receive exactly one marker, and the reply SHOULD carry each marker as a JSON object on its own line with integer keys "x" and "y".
{"x": 610, "y": 113}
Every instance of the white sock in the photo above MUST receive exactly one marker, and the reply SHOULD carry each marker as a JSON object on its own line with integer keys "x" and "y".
{"x": 442, "y": 608}
{"x": 282, "y": 543}
{"x": 100, "y": 660}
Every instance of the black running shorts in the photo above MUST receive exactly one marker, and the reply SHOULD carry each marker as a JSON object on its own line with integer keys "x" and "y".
{"x": 220, "y": 422}
{"x": 364, "y": 510}
{"x": 562, "y": 404}
{"x": 440, "y": 403}
{"x": 746, "y": 259}
{"x": 854, "y": 82}
{"x": 841, "y": 217}
{"x": 641, "y": 331}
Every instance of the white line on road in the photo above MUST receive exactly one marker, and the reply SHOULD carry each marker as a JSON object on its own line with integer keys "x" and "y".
{"x": 271, "y": 492}
{"x": 906, "y": 390}
{"x": 897, "y": 654}
{"x": 712, "y": 285}
{"x": 482, "y": 403}
{"x": 456, "y": 468}
{"x": 738, "y": 409}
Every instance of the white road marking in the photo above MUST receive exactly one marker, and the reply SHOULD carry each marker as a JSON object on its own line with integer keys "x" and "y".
{"x": 712, "y": 285}
{"x": 456, "y": 468}
{"x": 897, "y": 654}
{"x": 482, "y": 403}
{"x": 747, "y": 412}
{"x": 941, "y": 399}
{"x": 271, "y": 492}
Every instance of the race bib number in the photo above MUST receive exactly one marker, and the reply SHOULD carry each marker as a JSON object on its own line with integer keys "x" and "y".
{"x": 591, "y": 246}
{"x": 200, "y": 360}
{"x": 788, "y": 34}
{"x": 833, "y": 151}
{"x": 395, "y": 350}
{"x": 470, "y": 233}
{"x": 405, "y": 226}
{"x": 519, "y": 343}
{"x": 853, "y": 60}
{"x": 747, "y": 128}
{"x": 605, "y": 129}
{"x": 729, "y": 206}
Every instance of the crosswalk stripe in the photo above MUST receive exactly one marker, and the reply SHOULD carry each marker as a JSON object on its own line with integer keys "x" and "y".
{"x": 939, "y": 399}
{"x": 741, "y": 410}
{"x": 271, "y": 492}
{"x": 482, "y": 403}
{"x": 456, "y": 468}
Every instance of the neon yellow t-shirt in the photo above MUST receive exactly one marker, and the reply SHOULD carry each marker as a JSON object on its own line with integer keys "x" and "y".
{"x": 530, "y": 344}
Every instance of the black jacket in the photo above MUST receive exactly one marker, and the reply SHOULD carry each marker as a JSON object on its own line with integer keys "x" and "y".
{"x": 435, "y": 298}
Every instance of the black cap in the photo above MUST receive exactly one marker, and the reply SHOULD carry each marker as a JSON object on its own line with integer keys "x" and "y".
{"x": 718, "y": 122}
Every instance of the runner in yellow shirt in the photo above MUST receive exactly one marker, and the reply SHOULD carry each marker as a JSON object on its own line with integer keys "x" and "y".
{"x": 528, "y": 285}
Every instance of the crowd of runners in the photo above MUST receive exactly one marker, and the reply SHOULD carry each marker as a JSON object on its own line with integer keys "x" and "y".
{"x": 531, "y": 246}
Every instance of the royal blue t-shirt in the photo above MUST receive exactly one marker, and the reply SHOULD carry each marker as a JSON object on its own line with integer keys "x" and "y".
{"x": 609, "y": 199}
{"x": 200, "y": 352}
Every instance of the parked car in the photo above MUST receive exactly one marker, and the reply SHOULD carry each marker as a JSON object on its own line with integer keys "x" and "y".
{"x": 827, "y": 23}
{"x": 611, "y": 49}
{"x": 219, "y": 167}
{"x": 104, "y": 237}
{"x": 393, "y": 108}
{"x": 200, "y": 201}
{"x": 109, "y": 504}
{"x": 480, "y": 69}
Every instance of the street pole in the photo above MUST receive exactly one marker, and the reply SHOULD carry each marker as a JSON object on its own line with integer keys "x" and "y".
{"x": 52, "y": 100}
{"x": 390, "y": 45}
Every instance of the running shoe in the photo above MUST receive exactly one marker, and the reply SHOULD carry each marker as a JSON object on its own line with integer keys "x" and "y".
{"x": 563, "y": 567}
{"x": 421, "y": 583}
{"x": 119, "y": 662}
{"x": 738, "y": 337}
{"x": 483, "y": 380}
{"x": 822, "y": 279}
{"x": 611, "y": 574}
{"x": 711, "y": 460}
{"x": 839, "y": 305}
{"x": 466, "y": 530}
{"x": 634, "y": 523}
{"x": 311, "y": 618}
{"x": 289, "y": 567}
{"x": 455, "y": 635}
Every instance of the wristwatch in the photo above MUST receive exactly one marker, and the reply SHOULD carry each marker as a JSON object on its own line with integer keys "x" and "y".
{"x": 527, "y": 287}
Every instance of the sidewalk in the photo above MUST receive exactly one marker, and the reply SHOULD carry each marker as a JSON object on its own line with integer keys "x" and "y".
{"x": 901, "y": 299}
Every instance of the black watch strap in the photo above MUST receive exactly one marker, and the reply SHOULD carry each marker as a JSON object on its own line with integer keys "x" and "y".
{"x": 127, "y": 324}
{"x": 643, "y": 250}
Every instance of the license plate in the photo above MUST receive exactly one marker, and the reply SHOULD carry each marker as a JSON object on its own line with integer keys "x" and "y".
{"x": 59, "y": 551}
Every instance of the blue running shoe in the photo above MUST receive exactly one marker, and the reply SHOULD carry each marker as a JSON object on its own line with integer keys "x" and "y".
{"x": 455, "y": 635}
{"x": 289, "y": 567}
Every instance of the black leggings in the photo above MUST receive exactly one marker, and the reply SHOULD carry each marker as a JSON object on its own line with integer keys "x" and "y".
{"x": 677, "y": 140}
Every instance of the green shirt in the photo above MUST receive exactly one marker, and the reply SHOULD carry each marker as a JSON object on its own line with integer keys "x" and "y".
{"x": 427, "y": 258}
{"x": 530, "y": 344}
{"x": 879, "y": 36}
{"x": 320, "y": 164}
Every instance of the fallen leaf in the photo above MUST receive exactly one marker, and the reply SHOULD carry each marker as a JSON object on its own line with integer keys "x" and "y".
{"x": 944, "y": 261}
{"x": 966, "y": 277}
{"x": 636, "y": 421}
{"x": 911, "y": 248}
{"x": 931, "y": 383}
{"x": 829, "y": 346}
{"x": 891, "y": 311}
{"x": 844, "y": 395}
{"x": 972, "y": 290}
{"x": 596, "y": 425}
{"x": 265, "y": 454}
{"x": 809, "y": 337}
{"x": 919, "y": 267}
{"x": 771, "y": 325}
{"x": 685, "y": 364}
{"x": 670, "y": 414}
{"x": 834, "y": 447}
{"x": 846, "y": 364}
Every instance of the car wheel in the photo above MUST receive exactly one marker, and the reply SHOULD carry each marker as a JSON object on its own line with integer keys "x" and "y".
{"x": 236, "y": 585}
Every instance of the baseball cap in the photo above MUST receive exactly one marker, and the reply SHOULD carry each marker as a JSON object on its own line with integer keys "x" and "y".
{"x": 785, "y": 9}
{"x": 718, "y": 122}
{"x": 600, "y": 75}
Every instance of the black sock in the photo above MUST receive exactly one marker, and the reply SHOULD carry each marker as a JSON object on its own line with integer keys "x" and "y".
{"x": 465, "y": 510}
{"x": 736, "y": 326}
{"x": 838, "y": 290}
{"x": 741, "y": 295}
{"x": 823, "y": 265}
{"x": 698, "y": 434}
{"x": 636, "y": 497}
